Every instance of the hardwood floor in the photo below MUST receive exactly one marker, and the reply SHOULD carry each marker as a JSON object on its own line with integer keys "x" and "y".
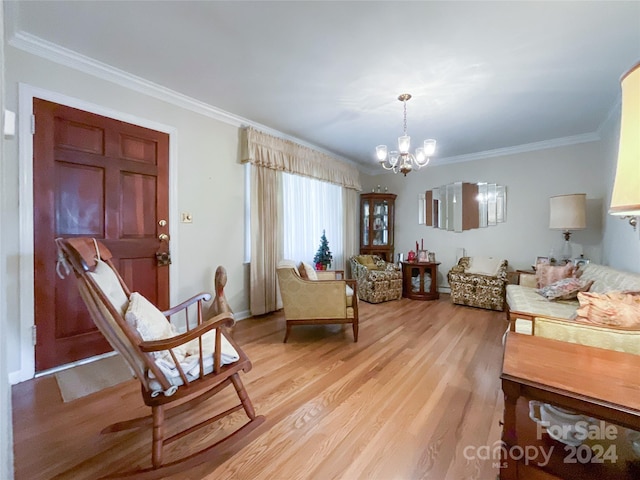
{"x": 414, "y": 398}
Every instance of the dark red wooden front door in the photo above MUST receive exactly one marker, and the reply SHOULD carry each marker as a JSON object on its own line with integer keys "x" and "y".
{"x": 99, "y": 177}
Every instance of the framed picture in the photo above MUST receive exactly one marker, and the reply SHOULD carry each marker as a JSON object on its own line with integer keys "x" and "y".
{"x": 542, "y": 261}
{"x": 580, "y": 261}
{"x": 423, "y": 255}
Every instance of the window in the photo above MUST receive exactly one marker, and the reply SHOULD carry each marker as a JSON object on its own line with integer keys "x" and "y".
{"x": 311, "y": 206}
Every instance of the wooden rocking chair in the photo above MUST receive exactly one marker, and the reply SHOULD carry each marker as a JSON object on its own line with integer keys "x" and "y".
{"x": 176, "y": 372}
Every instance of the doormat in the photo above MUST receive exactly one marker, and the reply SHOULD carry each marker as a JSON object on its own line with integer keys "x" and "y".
{"x": 83, "y": 380}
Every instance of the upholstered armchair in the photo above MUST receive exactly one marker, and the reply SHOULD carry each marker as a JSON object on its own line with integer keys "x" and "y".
{"x": 378, "y": 281}
{"x": 312, "y": 298}
{"x": 479, "y": 282}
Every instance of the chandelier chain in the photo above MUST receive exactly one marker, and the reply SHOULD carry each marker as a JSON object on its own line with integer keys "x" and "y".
{"x": 405, "y": 117}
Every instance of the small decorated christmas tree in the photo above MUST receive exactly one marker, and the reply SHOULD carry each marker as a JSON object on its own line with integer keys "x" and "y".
{"x": 323, "y": 255}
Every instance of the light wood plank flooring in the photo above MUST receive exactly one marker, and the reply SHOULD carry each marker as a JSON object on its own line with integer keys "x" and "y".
{"x": 420, "y": 386}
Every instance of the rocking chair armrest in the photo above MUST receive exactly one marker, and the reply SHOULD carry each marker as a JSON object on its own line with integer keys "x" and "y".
{"x": 223, "y": 320}
{"x": 190, "y": 301}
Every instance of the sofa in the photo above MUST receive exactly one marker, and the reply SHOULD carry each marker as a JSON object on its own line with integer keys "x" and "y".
{"x": 479, "y": 282}
{"x": 377, "y": 280}
{"x": 524, "y": 303}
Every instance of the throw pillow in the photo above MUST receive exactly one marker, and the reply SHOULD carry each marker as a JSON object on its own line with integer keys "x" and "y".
{"x": 150, "y": 322}
{"x": 619, "y": 309}
{"x": 484, "y": 266}
{"x": 307, "y": 271}
{"x": 368, "y": 261}
{"x": 565, "y": 289}
{"x": 548, "y": 274}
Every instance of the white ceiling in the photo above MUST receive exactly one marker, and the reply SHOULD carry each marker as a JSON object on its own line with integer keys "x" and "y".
{"x": 483, "y": 75}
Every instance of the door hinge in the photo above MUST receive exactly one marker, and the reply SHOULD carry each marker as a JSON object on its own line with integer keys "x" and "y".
{"x": 33, "y": 124}
{"x": 34, "y": 337}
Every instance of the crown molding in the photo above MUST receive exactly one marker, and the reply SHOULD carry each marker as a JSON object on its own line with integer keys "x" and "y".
{"x": 612, "y": 116}
{"x": 517, "y": 149}
{"x": 72, "y": 59}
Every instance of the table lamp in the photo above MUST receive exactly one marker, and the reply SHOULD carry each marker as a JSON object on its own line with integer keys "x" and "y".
{"x": 567, "y": 213}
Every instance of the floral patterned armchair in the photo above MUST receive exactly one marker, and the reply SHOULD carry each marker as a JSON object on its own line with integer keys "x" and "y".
{"x": 479, "y": 282}
{"x": 378, "y": 281}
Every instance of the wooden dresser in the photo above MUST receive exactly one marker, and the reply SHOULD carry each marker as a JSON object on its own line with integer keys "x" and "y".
{"x": 599, "y": 383}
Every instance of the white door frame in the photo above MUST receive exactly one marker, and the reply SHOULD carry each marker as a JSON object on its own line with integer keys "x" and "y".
{"x": 26, "y": 94}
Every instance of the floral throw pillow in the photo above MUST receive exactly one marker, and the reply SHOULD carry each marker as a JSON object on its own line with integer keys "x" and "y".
{"x": 618, "y": 309}
{"x": 548, "y": 274}
{"x": 565, "y": 289}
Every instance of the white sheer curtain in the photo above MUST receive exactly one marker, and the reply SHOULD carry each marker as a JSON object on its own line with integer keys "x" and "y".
{"x": 309, "y": 207}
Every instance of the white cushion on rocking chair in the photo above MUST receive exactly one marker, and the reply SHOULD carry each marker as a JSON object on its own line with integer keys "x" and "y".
{"x": 147, "y": 319}
{"x": 191, "y": 363}
{"x": 151, "y": 324}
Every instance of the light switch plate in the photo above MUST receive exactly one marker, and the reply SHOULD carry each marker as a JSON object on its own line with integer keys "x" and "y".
{"x": 9, "y": 124}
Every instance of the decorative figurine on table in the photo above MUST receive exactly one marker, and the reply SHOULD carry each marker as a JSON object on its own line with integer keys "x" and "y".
{"x": 411, "y": 256}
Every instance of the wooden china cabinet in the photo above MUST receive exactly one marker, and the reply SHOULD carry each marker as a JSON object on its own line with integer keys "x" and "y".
{"x": 376, "y": 224}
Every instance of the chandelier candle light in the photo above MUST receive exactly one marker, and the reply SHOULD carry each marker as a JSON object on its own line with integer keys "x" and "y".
{"x": 401, "y": 160}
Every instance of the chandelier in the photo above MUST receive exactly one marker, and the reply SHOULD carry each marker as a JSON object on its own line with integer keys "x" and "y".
{"x": 401, "y": 160}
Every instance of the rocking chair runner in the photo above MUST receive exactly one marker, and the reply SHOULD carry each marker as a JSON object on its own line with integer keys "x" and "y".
{"x": 177, "y": 371}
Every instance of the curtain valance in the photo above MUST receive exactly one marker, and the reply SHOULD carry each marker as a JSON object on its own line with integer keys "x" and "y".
{"x": 276, "y": 153}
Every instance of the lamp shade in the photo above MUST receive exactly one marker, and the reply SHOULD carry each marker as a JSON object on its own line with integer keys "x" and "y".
{"x": 568, "y": 212}
{"x": 625, "y": 199}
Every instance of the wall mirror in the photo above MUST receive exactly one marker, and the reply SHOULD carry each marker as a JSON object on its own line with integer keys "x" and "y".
{"x": 463, "y": 206}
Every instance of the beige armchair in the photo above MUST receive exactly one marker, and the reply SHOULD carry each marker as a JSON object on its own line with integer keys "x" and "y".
{"x": 378, "y": 281}
{"x": 479, "y": 282}
{"x": 312, "y": 300}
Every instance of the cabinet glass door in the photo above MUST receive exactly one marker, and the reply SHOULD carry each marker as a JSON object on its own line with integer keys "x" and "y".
{"x": 380, "y": 222}
{"x": 365, "y": 223}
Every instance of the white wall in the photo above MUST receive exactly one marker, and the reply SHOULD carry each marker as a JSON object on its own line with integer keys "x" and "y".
{"x": 530, "y": 179}
{"x": 621, "y": 243}
{"x": 6, "y": 430}
{"x": 209, "y": 176}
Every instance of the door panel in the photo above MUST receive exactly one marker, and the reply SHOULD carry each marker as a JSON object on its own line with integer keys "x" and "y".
{"x": 99, "y": 177}
{"x": 79, "y": 193}
{"x": 138, "y": 197}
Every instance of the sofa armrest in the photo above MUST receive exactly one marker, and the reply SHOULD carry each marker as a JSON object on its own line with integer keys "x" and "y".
{"x": 457, "y": 269}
